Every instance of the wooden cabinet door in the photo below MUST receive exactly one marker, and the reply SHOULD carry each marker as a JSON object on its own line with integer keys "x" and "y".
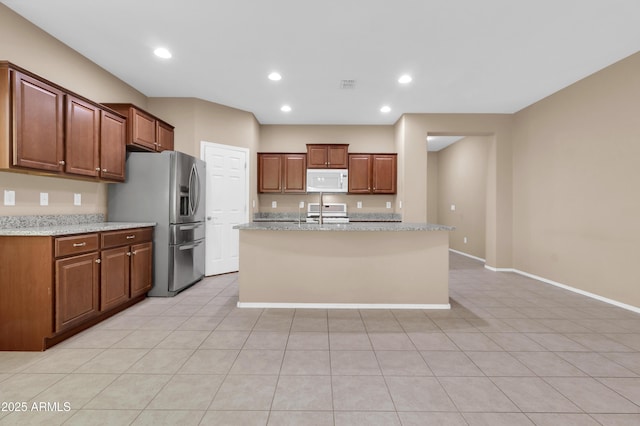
{"x": 384, "y": 175}
{"x": 164, "y": 137}
{"x": 82, "y": 138}
{"x": 141, "y": 268}
{"x": 113, "y": 134}
{"x": 38, "y": 139}
{"x": 359, "y": 173}
{"x": 269, "y": 173}
{"x": 143, "y": 129}
{"x": 295, "y": 172}
{"x": 317, "y": 157}
{"x": 337, "y": 156}
{"x": 114, "y": 277}
{"x": 76, "y": 296}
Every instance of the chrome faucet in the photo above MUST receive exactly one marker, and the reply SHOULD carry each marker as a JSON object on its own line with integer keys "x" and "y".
{"x": 321, "y": 203}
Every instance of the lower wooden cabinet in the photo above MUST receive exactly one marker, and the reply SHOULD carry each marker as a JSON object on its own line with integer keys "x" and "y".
{"x": 76, "y": 296}
{"x": 54, "y": 287}
{"x": 141, "y": 272}
{"x": 114, "y": 277}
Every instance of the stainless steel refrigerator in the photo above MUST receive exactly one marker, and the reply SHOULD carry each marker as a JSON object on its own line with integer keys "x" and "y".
{"x": 167, "y": 188}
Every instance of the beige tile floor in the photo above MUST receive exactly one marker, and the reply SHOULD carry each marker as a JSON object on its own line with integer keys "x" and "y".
{"x": 511, "y": 351}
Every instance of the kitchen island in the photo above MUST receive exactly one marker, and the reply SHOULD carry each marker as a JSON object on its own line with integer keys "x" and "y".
{"x": 353, "y": 265}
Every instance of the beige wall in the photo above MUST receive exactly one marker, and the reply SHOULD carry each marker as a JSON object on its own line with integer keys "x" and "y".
{"x": 411, "y": 140}
{"x": 432, "y": 187}
{"x": 462, "y": 181}
{"x": 576, "y": 180}
{"x": 31, "y": 48}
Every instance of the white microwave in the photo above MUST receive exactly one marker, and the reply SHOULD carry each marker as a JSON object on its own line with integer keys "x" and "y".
{"x": 327, "y": 180}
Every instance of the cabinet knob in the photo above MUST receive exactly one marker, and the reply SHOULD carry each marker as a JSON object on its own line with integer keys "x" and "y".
{"x": 61, "y": 162}
{"x": 104, "y": 170}
{"x": 98, "y": 261}
{"x": 128, "y": 253}
{"x": 133, "y": 253}
{"x": 97, "y": 169}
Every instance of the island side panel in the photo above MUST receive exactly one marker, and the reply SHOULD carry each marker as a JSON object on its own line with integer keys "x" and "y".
{"x": 386, "y": 267}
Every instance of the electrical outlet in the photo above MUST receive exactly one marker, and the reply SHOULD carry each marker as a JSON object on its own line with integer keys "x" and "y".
{"x": 254, "y": 204}
{"x": 9, "y": 197}
{"x": 301, "y": 205}
{"x": 464, "y": 240}
{"x": 77, "y": 199}
{"x": 359, "y": 204}
{"x": 453, "y": 207}
{"x": 388, "y": 204}
{"x": 400, "y": 204}
{"x": 44, "y": 198}
{"x": 274, "y": 204}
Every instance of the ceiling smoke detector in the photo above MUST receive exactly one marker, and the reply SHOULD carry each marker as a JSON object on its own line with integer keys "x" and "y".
{"x": 347, "y": 84}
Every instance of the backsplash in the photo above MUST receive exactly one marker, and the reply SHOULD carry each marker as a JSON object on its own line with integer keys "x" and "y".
{"x": 49, "y": 220}
{"x": 353, "y": 217}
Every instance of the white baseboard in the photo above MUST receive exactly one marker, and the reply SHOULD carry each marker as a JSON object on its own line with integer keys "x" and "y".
{"x": 567, "y": 287}
{"x": 343, "y": 305}
{"x": 467, "y": 255}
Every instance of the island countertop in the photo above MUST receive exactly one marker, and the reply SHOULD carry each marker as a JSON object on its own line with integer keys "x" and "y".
{"x": 82, "y": 228}
{"x": 342, "y": 227}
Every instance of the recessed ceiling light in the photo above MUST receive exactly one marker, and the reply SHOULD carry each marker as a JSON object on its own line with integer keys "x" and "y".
{"x": 405, "y": 79}
{"x": 274, "y": 76}
{"x": 285, "y": 108}
{"x": 162, "y": 52}
{"x": 385, "y": 109}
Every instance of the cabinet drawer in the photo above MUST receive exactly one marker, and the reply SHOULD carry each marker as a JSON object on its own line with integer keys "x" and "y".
{"x": 65, "y": 246}
{"x": 127, "y": 236}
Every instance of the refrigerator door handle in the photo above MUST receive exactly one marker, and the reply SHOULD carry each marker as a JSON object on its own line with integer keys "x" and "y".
{"x": 190, "y": 246}
{"x": 194, "y": 190}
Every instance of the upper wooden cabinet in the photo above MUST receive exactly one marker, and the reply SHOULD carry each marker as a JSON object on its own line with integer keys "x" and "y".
{"x": 113, "y": 132}
{"x": 46, "y": 129}
{"x": 372, "y": 173}
{"x": 38, "y": 134}
{"x": 332, "y": 156}
{"x": 282, "y": 172}
{"x": 145, "y": 132}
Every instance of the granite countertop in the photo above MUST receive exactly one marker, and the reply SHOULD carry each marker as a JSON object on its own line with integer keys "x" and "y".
{"x": 82, "y": 228}
{"x": 352, "y": 226}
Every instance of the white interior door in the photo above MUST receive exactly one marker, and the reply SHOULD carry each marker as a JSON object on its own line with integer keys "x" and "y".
{"x": 226, "y": 204}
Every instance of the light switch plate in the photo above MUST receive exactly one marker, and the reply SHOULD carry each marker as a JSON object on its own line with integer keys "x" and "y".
{"x": 77, "y": 199}
{"x": 274, "y": 204}
{"x": 359, "y": 204}
{"x": 301, "y": 205}
{"x": 453, "y": 207}
{"x": 44, "y": 198}
{"x": 400, "y": 204}
{"x": 388, "y": 204}
{"x": 9, "y": 197}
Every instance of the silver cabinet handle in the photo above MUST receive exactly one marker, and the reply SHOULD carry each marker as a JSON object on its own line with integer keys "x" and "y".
{"x": 79, "y": 244}
{"x": 128, "y": 253}
{"x": 97, "y": 169}
{"x": 61, "y": 162}
{"x": 104, "y": 170}
{"x": 98, "y": 261}
{"x": 130, "y": 237}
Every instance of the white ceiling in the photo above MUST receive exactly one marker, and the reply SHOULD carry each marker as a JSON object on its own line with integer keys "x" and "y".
{"x": 465, "y": 56}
